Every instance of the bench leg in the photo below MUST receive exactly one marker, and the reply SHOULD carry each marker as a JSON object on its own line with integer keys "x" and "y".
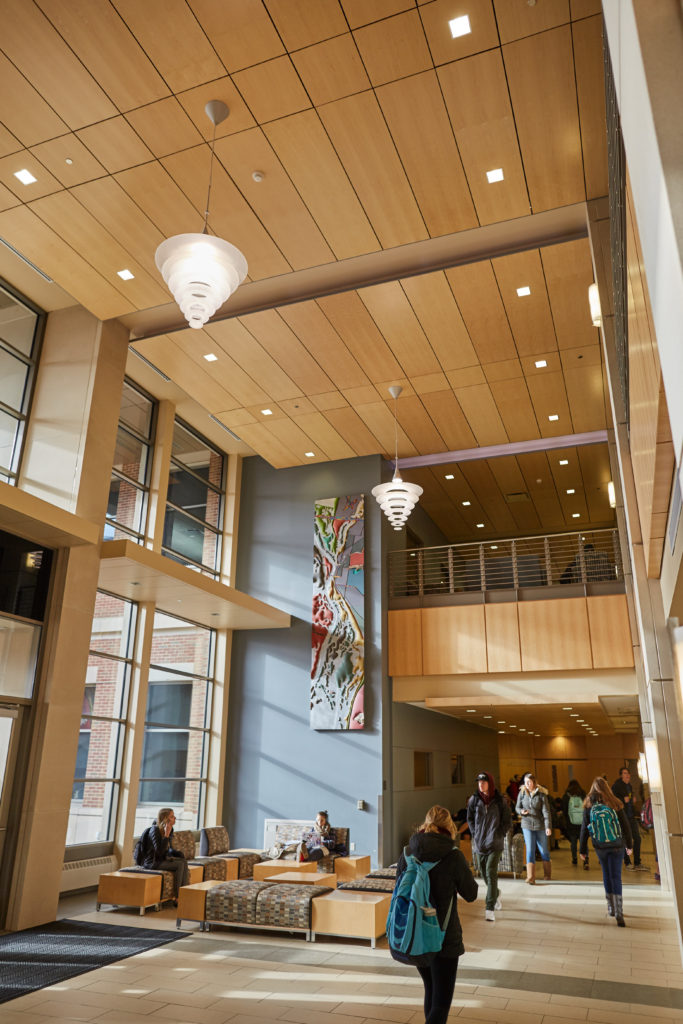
{"x": 97, "y": 907}
{"x": 142, "y": 911}
{"x": 178, "y": 922}
{"x": 312, "y": 936}
{"x": 372, "y": 943}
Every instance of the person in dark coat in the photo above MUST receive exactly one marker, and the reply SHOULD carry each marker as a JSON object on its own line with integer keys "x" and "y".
{"x": 450, "y": 878}
{"x": 572, "y": 818}
{"x": 489, "y": 819}
{"x": 159, "y": 852}
{"x": 610, "y": 854}
{"x": 623, "y": 790}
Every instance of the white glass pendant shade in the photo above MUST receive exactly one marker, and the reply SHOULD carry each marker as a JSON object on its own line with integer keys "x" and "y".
{"x": 397, "y": 499}
{"x": 201, "y": 272}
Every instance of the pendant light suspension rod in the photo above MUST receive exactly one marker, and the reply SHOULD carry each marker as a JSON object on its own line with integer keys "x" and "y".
{"x": 205, "y": 229}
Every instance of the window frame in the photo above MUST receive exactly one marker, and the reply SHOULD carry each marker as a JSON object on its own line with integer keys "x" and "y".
{"x": 12, "y": 473}
{"x": 149, "y": 443}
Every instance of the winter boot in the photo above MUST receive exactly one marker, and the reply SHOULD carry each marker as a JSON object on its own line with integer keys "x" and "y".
{"x": 531, "y": 873}
{"x": 547, "y": 870}
{"x": 619, "y": 910}
{"x": 610, "y": 904}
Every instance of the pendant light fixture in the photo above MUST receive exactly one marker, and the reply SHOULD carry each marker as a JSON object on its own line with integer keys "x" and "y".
{"x": 397, "y": 499}
{"x": 200, "y": 270}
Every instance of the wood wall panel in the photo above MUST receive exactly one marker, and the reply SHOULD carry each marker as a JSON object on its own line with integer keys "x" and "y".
{"x": 502, "y": 638}
{"x": 453, "y": 640}
{"x": 405, "y": 642}
{"x": 554, "y": 634}
{"x": 610, "y": 631}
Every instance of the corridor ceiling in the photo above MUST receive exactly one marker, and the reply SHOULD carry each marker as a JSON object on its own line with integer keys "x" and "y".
{"x": 378, "y": 250}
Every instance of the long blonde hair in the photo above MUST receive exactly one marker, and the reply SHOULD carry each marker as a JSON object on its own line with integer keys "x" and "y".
{"x": 438, "y": 818}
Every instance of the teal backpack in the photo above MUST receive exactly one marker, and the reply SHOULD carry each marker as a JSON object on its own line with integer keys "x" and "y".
{"x": 413, "y": 930}
{"x": 604, "y": 825}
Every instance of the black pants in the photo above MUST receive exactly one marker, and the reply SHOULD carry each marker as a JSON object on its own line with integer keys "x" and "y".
{"x": 181, "y": 872}
{"x": 439, "y": 982}
{"x": 636, "y": 843}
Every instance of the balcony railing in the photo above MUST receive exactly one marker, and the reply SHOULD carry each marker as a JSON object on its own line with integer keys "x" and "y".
{"x": 512, "y": 564}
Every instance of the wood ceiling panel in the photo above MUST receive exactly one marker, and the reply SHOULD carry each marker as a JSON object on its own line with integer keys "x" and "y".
{"x": 85, "y": 234}
{"x": 173, "y": 40}
{"x": 240, "y": 31}
{"x": 317, "y": 334}
{"x": 359, "y": 332}
{"x": 361, "y": 138}
{"x": 44, "y": 184}
{"x": 450, "y": 420}
{"x": 331, "y": 69}
{"x": 274, "y": 200}
{"x": 549, "y": 136}
{"x": 39, "y": 243}
{"x": 362, "y": 12}
{"x": 476, "y": 292}
{"x": 301, "y": 23}
{"x": 298, "y": 442}
{"x": 8, "y": 143}
{"x": 495, "y": 511}
{"x": 266, "y": 444}
{"x": 42, "y": 56}
{"x": 515, "y": 408}
{"x": 158, "y": 196}
{"x": 584, "y": 8}
{"x": 311, "y": 162}
{"x": 535, "y": 467}
{"x": 224, "y": 89}
{"x": 596, "y": 473}
{"x": 480, "y": 409}
{"x": 568, "y": 271}
{"x": 348, "y": 423}
{"x": 164, "y": 127}
{"x": 393, "y": 314}
{"x": 517, "y": 18}
{"x": 419, "y": 125}
{"x": 429, "y": 382}
{"x": 115, "y": 144}
{"x": 282, "y": 344}
{"x": 444, "y": 48}
{"x": 272, "y": 90}
{"x": 7, "y": 199}
{"x": 585, "y": 392}
{"x": 82, "y": 166}
{"x": 417, "y": 424}
{"x": 240, "y": 388}
{"x": 325, "y": 436}
{"x": 231, "y": 216}
{"x": 393, "y": 48}
{"x": 328, "y": 401}
{"x": 109, "y": 51}
{"x": 296, "y": 406}
{"x": 506, "y": 369}
{"x": 478, "y": 102}
{"x": 528, "y": 315}
{"x": 362, "y": 396}
{"x": 590, "y": 71}
{"x": 467, "y": 377}
{"x": 549, "y": 398}
{"x": 28, "y": 116}
{"x": 433, "y": 303}
{"x": 379, "y": 419}
{"x": 176, "y": 356}
{"x": 235, "y": 340}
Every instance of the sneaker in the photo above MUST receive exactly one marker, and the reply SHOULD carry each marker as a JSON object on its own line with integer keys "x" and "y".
{"x": 641, "y": 867}
{"x": 630, "y": 867}
{"x": 585, "y": 865}
{"x": 490, "y": 916}
{"x": 499, "y": 904}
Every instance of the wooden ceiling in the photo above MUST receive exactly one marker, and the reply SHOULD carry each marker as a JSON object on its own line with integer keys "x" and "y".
{"x": 373, "y": 129}
{"x": 606, "y": 716}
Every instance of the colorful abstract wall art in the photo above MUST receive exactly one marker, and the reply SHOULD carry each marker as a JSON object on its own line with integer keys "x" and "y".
{"x": 338, "y": 667}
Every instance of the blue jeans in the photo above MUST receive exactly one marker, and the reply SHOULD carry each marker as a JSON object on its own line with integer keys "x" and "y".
{"x": 533, "y": 838}
{"x": 610, "y": 862}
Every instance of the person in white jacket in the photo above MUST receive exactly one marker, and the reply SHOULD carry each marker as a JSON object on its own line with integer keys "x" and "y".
{"x": 534, "y": 810}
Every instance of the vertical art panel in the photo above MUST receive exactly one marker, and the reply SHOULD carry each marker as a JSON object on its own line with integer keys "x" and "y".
{"x": 338, "y": 667}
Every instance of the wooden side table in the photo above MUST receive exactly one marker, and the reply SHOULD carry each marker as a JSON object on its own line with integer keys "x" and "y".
{"x": 192, "y": 902}
{"x": 348, "y": 868}
{"x": 361, "y": 915}
{"x": 267, "y": 868}
{"x": 305, "y": 878}
{"x": 129, "y": 889}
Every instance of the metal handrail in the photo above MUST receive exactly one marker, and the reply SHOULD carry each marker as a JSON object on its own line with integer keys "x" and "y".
{"x": 512, "y": 563}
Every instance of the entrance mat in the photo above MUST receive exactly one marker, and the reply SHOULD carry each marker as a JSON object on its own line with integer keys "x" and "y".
{"x": 51, "y": 953}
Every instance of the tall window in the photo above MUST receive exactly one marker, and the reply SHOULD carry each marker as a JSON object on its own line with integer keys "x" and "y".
{"x": 18, "y": 343}
{"x": 97, "y": 778}
{"x": 129, "y": 487}
{"x": 194, "y": 507}
{"x": 175, "y": 753}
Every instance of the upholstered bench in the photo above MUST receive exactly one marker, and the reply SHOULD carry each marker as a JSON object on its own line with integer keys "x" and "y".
{"x": 369, "y": 884}
{"x": 246, "y": 903}
{"x": 128, "y": 887}
{"x": 214, "y": 846}
{"x": 287, "y": 834}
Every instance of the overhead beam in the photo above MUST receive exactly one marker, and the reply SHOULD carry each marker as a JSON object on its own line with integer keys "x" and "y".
{"x": 496, "y": 451}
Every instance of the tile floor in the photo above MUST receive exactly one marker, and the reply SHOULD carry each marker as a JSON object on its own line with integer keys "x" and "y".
{"x": 551, "y": 957}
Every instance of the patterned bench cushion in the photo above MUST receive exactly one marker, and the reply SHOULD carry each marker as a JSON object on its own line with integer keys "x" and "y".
{"x": 214, "y": 868}
{"x": 287, "y": 906}
{"x": 213, "y": 841}
{"x": 389, "y": 872}
{"x": 184, "y": 842}
{"x": 246, "y": 860}
{"x": 166, "y": 880}
{"x": 369, "y": 884}
{"x": 234, "y": 901}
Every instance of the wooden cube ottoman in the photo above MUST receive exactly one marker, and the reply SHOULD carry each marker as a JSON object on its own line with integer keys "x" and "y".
{"x": 360, "y": 915}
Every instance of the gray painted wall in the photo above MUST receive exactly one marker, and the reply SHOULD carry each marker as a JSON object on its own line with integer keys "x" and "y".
{"x": 417, "y": 729}
{"x": 277, "y": 766}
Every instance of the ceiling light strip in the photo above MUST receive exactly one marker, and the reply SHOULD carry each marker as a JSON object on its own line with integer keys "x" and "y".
{"x": 495, "y": 451}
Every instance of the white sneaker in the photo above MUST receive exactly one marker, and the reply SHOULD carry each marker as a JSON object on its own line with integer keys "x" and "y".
{"x": 499, "y": 904}
{"x": 490, "y": 916}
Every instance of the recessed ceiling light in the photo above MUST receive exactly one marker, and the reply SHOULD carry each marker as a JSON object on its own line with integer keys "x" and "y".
{"x": 488, "y": 716}
{"x": 460, "y": 26}
{"x": 266, "y": 412}
{"x": 524, "y": 290}
{"x": 553, "y": 416}
{"x": 495, "y": 175}
{"x": 450, "y": 476}
{"x": 513, "y": 726}
{"x": 25, "y": 177}
{"x": 501, "y": 732}
{"x": 575, "y": 715}
{"x": 502, "y": 721}
{"x": 564, "y": 462}
{"x": 309, "y": 455}
{"x": 125, "y": 274}
{"x": 571, "y": 490}
{"x": 466, "y": 503}
{"x": 540, "y": 363}
{"x": 68, "y": 161}
{"x": 480, "y": 526}
{"x": 522, "y": 730}
{"x": 210, "y": 357}
{"x": 576, "y": 515}
{"x": 471, "y": 711}
{"x": 579, "y": 719}
{"x": 568, "y": 709}
{"x": 494, "y": 547}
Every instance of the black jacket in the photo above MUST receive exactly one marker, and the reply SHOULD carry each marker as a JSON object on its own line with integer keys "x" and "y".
{"x": 626, "y": 834}
{"x": 489, "y": 823}
{"x": 157, "y": 848}
{"x": 451, "y": 877}
{"x": 622, "y": 789}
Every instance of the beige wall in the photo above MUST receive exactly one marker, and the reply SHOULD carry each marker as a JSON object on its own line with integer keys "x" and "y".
{"x": 589, "y": 756}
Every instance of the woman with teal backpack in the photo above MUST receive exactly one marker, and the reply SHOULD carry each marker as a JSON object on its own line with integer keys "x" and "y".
{"x": 607, "y": 825}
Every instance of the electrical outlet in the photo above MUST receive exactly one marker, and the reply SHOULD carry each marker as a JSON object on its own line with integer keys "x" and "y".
{"x": 360, "y": 805}
{"x": 352, "y": 847}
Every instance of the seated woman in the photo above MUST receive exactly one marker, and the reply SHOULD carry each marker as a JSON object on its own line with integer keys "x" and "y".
{"x": 319, "y": 841}
{"x": 159, "y": 852}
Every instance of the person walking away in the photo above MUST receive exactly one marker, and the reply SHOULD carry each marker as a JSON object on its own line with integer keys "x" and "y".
{"x": 623, "y": 790}
{"x": 449, "y": 878}
{"x": 534, "y": 810}
{"x": 489, "y": 819}
{"x": 572, "y": 806}
{"x": 609, "y": 828}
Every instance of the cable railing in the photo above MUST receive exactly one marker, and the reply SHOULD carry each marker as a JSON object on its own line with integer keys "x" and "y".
{"x": 512, "y": 564}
